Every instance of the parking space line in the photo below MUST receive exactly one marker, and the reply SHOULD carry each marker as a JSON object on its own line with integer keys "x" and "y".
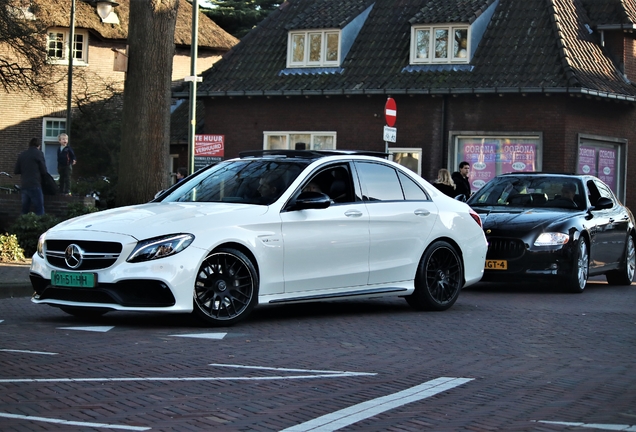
{"x": 73, "y": 423}
{"x": 345, "y": 417}
{"x": 613, "y": 427}
{"x": 27, "y": 352}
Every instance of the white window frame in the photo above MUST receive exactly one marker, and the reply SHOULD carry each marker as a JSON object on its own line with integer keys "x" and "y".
{"x": 450, "y": 48}
{"x": 285, "y": 139}
{"x": 308, "y": 34}
{"x": 51, "y": 128}
{"x": 83, "y": 60}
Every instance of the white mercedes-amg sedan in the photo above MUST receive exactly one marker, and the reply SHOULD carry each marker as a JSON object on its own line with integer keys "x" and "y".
{"x": 269, "y": 227}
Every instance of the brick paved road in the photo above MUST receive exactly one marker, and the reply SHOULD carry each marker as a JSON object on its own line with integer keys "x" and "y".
{"x": 532, "y": 356}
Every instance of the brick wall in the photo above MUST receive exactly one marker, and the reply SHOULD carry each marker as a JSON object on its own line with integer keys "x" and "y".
{"x": 11, "y": 206}
{"x": 424, "y": 122}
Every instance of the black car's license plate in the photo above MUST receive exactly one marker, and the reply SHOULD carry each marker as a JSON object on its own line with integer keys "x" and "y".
{"x": 496, "y": 265}
{"x": 73, "y": 280}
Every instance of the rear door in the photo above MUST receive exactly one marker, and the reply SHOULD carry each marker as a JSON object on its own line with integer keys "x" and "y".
{"x": 401, "y": 219}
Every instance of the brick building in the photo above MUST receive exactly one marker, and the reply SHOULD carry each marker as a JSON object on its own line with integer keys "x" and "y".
{"x": 98, "y": 67}
{"x": 526, "y": 85}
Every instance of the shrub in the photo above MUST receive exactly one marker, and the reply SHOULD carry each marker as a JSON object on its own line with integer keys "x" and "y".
{"x": 10, "y": 250}
{"x": 79, "y": 209}
{"x": 28, "y": 228}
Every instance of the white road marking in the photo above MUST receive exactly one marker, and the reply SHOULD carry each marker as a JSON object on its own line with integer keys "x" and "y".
{"x": 102, "y": 329}
{"x": 345, "y": 417}
{"x": 315, "y": 374}
{"x": 613, "y": 427}
{"x": 27, "y": 352}
{"x": 73, "y": 423}
{"x": 202, "y": 335}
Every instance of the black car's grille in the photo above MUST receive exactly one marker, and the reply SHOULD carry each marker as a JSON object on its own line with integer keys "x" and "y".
{"x": 97, "y": 255}
{"x": 505, "y": 248}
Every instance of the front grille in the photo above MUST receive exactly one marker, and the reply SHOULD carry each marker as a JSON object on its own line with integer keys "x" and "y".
{"x": 130, "y": 293}
{"x": 505, "y": 248}
{"x": 97, "y": 255}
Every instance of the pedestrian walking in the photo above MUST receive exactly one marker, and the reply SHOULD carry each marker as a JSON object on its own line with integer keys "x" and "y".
{"x": 65, "y": 161}
{"x": 462, "y": 182}
{"x": 31, "y": 167}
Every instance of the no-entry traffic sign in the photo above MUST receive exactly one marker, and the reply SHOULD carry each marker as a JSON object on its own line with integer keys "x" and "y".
{"x": 390, "y": 112}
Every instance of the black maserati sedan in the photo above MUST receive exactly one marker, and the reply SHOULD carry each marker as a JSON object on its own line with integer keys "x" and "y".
{"x": 557, "y": 228}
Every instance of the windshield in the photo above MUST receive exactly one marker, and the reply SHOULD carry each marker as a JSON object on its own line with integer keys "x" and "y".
{"x": 247, "y": 181}
{"x": 527, "y": 191}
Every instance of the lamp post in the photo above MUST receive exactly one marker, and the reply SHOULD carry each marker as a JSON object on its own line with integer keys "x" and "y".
{"x": 193, "y": 78}
{"x": 69, "y": 88}
{"x": 104, "y": 9}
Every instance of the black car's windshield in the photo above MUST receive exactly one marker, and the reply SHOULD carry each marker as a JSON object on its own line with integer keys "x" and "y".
{"x": 531, "y": 191}
{"x": 259, "y": 181}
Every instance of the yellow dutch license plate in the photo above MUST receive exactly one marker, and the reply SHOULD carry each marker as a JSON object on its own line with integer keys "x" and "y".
{"x": 73, "y": 280}
{"x": 496, "y": 265}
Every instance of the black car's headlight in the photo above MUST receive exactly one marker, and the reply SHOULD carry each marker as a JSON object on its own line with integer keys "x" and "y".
{"x": 552, "y": 239}
{"x": 160, "y": 247}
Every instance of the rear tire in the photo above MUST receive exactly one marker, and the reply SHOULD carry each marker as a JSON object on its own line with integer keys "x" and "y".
{"x": 439, "y": 278}
{"x": 226, "y": 288}
{"x": 581, "y": 265}
{"x": 624, "y": 275}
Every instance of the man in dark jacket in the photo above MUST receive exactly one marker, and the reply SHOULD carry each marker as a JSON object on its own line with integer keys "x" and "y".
{"x": 32, "y": 169}
{"x": 462, "y": 184}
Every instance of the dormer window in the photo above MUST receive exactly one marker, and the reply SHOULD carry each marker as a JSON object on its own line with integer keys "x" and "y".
{"x": 313, "y": 48}
{"x": 440, "y": 44}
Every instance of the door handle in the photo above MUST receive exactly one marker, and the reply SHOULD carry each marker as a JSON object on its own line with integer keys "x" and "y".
{"x": 422, "y": 212}
{"x": 353, "y": 213}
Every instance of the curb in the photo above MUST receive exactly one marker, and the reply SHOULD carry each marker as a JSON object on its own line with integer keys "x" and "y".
{"x": 13, "y": 290}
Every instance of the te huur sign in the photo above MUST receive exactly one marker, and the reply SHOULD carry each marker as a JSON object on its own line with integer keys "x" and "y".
{"x": 208, "y": 149}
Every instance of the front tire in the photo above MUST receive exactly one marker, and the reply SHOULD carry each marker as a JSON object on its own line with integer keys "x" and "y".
{"x": 578, "y": 279}
{"x": 439, "y": 278}
{"x": 625, "y": 274}
{"x": 226, "y": 288}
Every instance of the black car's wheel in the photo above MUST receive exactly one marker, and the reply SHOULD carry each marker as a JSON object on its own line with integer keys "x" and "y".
{"x": 578, "y": 278}
{"x": 439, "y": 278}
{"x": 625, "y": 274}
{"x": 81, "y": 312}
{"x": 226, "y": 288}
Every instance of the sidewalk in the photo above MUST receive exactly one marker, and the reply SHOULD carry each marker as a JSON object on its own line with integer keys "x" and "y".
{"x": 14, "y": 279}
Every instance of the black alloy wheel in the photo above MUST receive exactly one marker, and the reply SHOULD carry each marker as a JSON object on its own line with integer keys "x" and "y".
{"x": 439, "y": 278}
{"x": 226, "y": 288}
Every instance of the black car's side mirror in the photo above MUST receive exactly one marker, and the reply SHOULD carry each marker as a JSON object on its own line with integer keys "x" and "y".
{"x": 603, "y": 203}
{"x": 311, "y": 200}
{"x": 461, "y": 197}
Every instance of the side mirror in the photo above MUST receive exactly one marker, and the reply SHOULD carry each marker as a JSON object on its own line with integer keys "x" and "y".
{"x": 311, "y": 200}
{"x": 603, "y": 203}
{"x": 461, "y": 197}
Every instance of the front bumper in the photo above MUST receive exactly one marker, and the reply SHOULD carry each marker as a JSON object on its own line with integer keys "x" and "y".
{"x": 164, "y": 284}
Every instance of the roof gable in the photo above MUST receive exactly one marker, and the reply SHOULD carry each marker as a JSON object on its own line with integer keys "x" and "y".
{"x": 57, "y": 13}
{"x": 527, "y": 46}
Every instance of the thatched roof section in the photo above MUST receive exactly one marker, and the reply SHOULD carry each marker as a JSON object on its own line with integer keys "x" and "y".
{"x": 58, "y": 13}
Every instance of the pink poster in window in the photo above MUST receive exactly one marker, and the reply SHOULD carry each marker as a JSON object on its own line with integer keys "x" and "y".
{"x": 518, "y": 157}
{"x": 587, "y": 160}
{"x": 607, "y": 166}
{"x": 482, "y": 156}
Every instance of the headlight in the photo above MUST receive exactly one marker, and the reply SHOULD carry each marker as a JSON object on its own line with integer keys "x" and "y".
{"x": 552, "y": 239}
{"x": 41, "y": 245}
{"x": 160, "y": 247}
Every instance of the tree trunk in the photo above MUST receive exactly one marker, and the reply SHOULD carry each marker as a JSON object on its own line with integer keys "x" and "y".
{"x": 145, "y": 143}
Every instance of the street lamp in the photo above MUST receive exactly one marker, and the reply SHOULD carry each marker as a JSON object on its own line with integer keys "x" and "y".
{"x": 104, "y": 8}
